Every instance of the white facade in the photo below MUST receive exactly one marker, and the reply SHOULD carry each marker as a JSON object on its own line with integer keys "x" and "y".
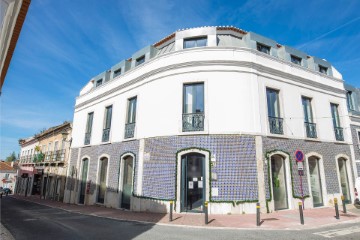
{"x": 235, "y": 76}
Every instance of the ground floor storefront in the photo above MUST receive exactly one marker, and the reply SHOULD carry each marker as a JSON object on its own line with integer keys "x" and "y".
{"x": 47, "y": 182}
{"x": 230, "y": 172}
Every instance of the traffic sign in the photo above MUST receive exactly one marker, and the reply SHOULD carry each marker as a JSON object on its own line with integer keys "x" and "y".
{"x": 299, "y": 155}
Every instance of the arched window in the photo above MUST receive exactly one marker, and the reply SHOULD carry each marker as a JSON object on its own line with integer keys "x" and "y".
{"x": 102, "y": 180}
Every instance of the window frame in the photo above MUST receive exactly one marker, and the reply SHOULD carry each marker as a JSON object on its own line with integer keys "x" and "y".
{"x": 296, "y": 58}
{"x": 140, "y": 60}
{"x": 349, "y": 100}
{"x": 195, "y": 39}
{"x": 323, "y": 69}
{"x": 184, "y": 96}
{"x": 117, "y": 72}
{"x": 260, "y": 46}
{"x": 97, "y": 82}
{"x": 129, "y": 101}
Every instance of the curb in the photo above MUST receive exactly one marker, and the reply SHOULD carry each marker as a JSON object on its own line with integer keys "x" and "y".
{"x": 191, "y": 226}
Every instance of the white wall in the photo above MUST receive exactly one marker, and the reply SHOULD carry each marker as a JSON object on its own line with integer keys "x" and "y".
{"x": 235, "y": 100}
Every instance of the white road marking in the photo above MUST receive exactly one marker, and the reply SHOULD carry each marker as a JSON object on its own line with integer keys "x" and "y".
{"x": 339, "y": 232}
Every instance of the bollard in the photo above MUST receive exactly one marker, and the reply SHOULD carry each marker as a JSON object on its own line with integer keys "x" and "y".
{"x": 301, "y": 213}
{"x": 171, "y": 211}
{"x": 206, "y": 212}
{"x": 343, "y": 203}
{"x": 257, "y": 214}
{"x": 336, "y": 209}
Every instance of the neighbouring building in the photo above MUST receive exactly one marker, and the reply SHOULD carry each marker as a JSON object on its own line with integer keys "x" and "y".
{"x": 12, "y": 17}
{"x": 212, "y": 114}
{"x": 8, "y": 175}
{"x": 353, "y": 104}
{"x": 43, "y": 163}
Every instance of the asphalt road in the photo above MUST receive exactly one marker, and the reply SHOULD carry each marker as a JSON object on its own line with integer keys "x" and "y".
{"x": 26, "y": 220}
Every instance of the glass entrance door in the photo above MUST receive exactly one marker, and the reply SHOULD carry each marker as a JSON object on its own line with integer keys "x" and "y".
{"x": 193, "y": 182}
{"x": 127, "y": 182}
{"x": 278, "y": 170}
{"x": 83, "y": 181}
{"x": 315, "y": 182}
{"x": 344, "y": 182}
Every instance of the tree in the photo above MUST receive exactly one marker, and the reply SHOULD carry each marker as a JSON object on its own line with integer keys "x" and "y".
{"x": 11, "y": 157}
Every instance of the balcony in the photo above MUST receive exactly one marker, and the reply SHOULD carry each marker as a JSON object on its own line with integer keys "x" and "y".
{"x": 129, "y": 130}
{"x": 193, "y": 122}
{"x": 339, "y": 133}
{"x": 310, "y": 130}
{"x": 276, "y": 125}
{"x": 87, "y": 138}
{"x": 106, "y": 135}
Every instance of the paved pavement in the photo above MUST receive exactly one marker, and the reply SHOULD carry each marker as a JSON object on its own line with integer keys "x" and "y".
{"x": 287, "y": 219}
{"x": 28, "y": 220}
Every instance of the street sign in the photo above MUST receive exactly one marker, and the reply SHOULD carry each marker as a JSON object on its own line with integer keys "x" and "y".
{"x": 301, "y": 172}
{"x": 300, "y": 166}
{"x": 299, "y": 155}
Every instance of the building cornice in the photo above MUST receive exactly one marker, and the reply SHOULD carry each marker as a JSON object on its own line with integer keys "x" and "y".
{"x": 261, "y": 70}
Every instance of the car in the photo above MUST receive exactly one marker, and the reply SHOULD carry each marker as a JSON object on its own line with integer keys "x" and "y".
{"x": 7, "y": 191}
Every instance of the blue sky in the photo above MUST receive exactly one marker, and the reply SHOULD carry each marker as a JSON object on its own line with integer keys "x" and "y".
{"x": 65, "y": 43}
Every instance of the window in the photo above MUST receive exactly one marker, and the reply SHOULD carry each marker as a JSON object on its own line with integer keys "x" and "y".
{"x": 349, "y": 99}
{"x": 263, "y": 48}
{"x": 339, "y": 134}
{"x": 195, "y": 42}
{"x": 88, "y": 128}
{"x": 102, "y": 180}
{"x": 7, "y": 175}
{"x": 140, "y": 60}
{"x": 310, "y": 126}
{"x": 296, "y": 60}
{"x": 193, "y": 107}
{"x": 43, "y": 148}
{"x": 131, "y": 117}
{"x": 107, "y": 124}
{"x": 117, "y": 72}
{"x": 275, "y": 122}
{"x": 99, "y": 82}
{"x": 323, "y": 69}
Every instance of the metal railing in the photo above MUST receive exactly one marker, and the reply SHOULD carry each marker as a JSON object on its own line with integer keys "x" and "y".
{"x": 87, "y": 138}
{"x": 129, "y": 130}
{"x": 106, "y": 135}
{"x": 193, "y": 122}
{"x": 310, "y": 130}
{"x": 276, "y": 125}
{"x": 339, "y": 133}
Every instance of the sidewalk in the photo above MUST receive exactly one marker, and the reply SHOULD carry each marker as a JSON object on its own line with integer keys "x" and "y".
{"x": 286, "y": 220}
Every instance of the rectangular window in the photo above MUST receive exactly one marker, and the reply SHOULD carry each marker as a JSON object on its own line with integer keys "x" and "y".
{"x": 310, "y": 126}
{"x": 349, "y": 99}
{"x": 339, "y": 134}
{"x": 7, "y": 175}
{"x": 358, "y": 133}
{"x": 193, "y": 107}
{"x": 275, "y": 122}
{"x": 107, "y": 124}
{"x": 140, "y": 60}
{"x": 88, "y": 128}
{"x": 296, "y": 60}
{"x": 99, "y": 82}
{"x": 131, "y": 118}
{"x": 195, "y": 42}
{"x": 43, "y": 149}
{"x": 263, "y": 48}
{"x": 117, "y": 72}
{"x": 323, "y": 69}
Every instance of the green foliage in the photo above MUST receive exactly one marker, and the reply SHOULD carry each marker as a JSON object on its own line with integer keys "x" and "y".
{"x": 11, "y": 157}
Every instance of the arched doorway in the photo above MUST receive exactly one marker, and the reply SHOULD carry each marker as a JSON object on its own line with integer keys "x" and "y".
{"x": 344, "y": 179}
{"x": 279, "y": 182}
{"x": 315, "y": 181}
{"x": 102, "y": 180}
{"x": 127, "y": 177}
{"x": 84, "y": 173}
{"x": 192, "y": 182}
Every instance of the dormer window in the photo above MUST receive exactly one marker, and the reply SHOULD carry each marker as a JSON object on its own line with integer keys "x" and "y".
{"x": 323, "y": 69}
{"x": 99, "y": 82}
{"x": 263, "y": 48}
{"x": 195, "y": 42}
{"x": 295, "y": 60}
{"x": 117, "y": 72}
{"x": 140, "y": 60}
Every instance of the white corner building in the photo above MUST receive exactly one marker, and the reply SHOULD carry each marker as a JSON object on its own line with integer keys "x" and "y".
{"x": 212, "y": 114}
